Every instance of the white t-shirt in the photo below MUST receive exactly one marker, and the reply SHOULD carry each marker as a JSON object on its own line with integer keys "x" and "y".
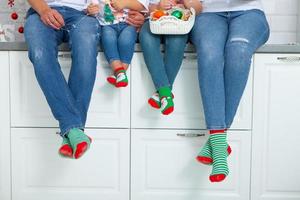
{"x": 230, "y": 5}
{"x": 119, "y": 16}
{"x": 76, "y": 4}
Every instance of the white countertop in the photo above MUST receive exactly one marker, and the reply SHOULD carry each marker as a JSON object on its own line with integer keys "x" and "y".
{"x": 269, "y": 48}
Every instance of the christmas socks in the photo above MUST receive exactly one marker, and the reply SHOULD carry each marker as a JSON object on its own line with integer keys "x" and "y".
{"x": 166, "y": 100}
{"x": 78, "y": 141}
{"x": 154, "y": 100}
{"x": 205, "y": 155}
{"x": 65, "y": 149}
{"x": 218, "y": 142}
{"x": 119, "y": 79}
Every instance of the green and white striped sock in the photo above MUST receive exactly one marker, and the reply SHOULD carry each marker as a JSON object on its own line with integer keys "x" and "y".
{"x": 219, "y": 155}
{"x": 205, "y": 155}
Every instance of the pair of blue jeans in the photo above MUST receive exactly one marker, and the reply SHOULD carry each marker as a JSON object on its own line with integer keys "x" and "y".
{"x": 118, "y": 42}
{"x": 225, "y": 43}
{"x": 162, "y": 67}
{"x": 68, "y": 100}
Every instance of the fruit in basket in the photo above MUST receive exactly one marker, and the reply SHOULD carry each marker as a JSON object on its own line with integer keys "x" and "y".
{"x": 158, "y": 14}
{"x": 186, "y": 15}
{"x": 177, "y": 13}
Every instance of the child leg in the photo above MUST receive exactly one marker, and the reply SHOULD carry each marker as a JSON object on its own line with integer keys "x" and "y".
{"x": 109, "y": 40}
{"x": 126, "y": 43}
{"x": 154, "y": 60}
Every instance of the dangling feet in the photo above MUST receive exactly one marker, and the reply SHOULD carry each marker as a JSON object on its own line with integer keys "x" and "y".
{"x": 166, "y": 100}
{"x": 154, "y": 100}
{"x": 80, "y": 142}
{"x": 119, "y": 79}
{"x": 219, "y": 147}
{"x": 65, "y": 149}
{"x": 205, "y": 155}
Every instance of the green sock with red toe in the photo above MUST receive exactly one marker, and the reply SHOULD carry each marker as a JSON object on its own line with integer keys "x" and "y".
{"x": 205, "y": 155}
{"x": 166, "y": 100}
{"x": 121, "y": 77}
{"x": 154, "y": 100}
{"x": 65, "y": 149}
{"x": 80, "y": 142}
{"x": 218, "y": 142}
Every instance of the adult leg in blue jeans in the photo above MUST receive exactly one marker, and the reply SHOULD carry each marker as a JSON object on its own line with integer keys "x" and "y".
{"x": 68, "y": 102}
{"x": 225, "y": 43}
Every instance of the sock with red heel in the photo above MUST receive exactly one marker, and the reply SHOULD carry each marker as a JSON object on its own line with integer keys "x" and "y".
{"x": 218, "y": 142}
{"x": 119, "y": 79}
{"x": 166, "y": 100}
{"x": 65, "y": 149}
{"x": 80, "y": 142}
{"x": 205, "y": 155}
{"x": 154, "y": 100}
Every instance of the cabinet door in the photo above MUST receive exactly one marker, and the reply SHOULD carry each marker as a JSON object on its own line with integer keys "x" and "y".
{"x": 164, "y": 167}
{"x": 188, "y": 113}
{"x": 38, "y": 172}
{"x": 109, "y": 106}
{"x": 4, "y": 128}
{"x": 276, "y": 138}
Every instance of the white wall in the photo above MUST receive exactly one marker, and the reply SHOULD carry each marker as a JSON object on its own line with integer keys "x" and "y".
{"x": 283, "y": 19}
{"x": 282, "y": 15}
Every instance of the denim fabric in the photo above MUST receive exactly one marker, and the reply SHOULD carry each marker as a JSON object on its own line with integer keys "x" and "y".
{"x": 162, "y": 67}
{"x": 118, "y": 42}
{"x": 225, "y": 43}
{"x": 68, "y": 100}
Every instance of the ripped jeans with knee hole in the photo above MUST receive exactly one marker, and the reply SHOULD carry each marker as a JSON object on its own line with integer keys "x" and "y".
{"x": 68, "y": 99}
{"x": 225, "y": 43}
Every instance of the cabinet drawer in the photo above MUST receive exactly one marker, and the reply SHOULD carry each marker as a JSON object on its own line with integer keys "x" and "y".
{"x": 163, "y": 167}
{"x": 109, "y": 106}
{"x": 188, "y": 113}
{"x": 37, "y": 169}
{"x": 276, "y": 113}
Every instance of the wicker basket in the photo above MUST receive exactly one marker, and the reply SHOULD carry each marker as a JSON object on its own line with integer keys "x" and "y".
{"x": 171, "y": 25}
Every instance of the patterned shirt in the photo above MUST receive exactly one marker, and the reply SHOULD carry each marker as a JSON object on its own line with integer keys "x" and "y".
{"x": 108, "y": 15}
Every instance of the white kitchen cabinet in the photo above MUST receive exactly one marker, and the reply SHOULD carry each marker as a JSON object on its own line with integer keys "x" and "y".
{"x": 188, "y": 113}
{"x": 30, "y": 109}
{"x": 38, "y": 172}
{"x": 163, "y": 167}
{"x": 4, "y": 128}
{"x": 276, "y": 137}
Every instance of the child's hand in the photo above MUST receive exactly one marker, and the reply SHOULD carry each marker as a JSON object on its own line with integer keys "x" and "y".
{"x": 118, "y": 4}
{"x": 93, "y": 9}
{"x": 167, "y": 4}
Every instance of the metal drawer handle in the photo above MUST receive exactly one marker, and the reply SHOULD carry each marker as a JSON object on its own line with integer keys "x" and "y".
{"x": 190, "y": 134}
{"x": 289, "y": 59}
